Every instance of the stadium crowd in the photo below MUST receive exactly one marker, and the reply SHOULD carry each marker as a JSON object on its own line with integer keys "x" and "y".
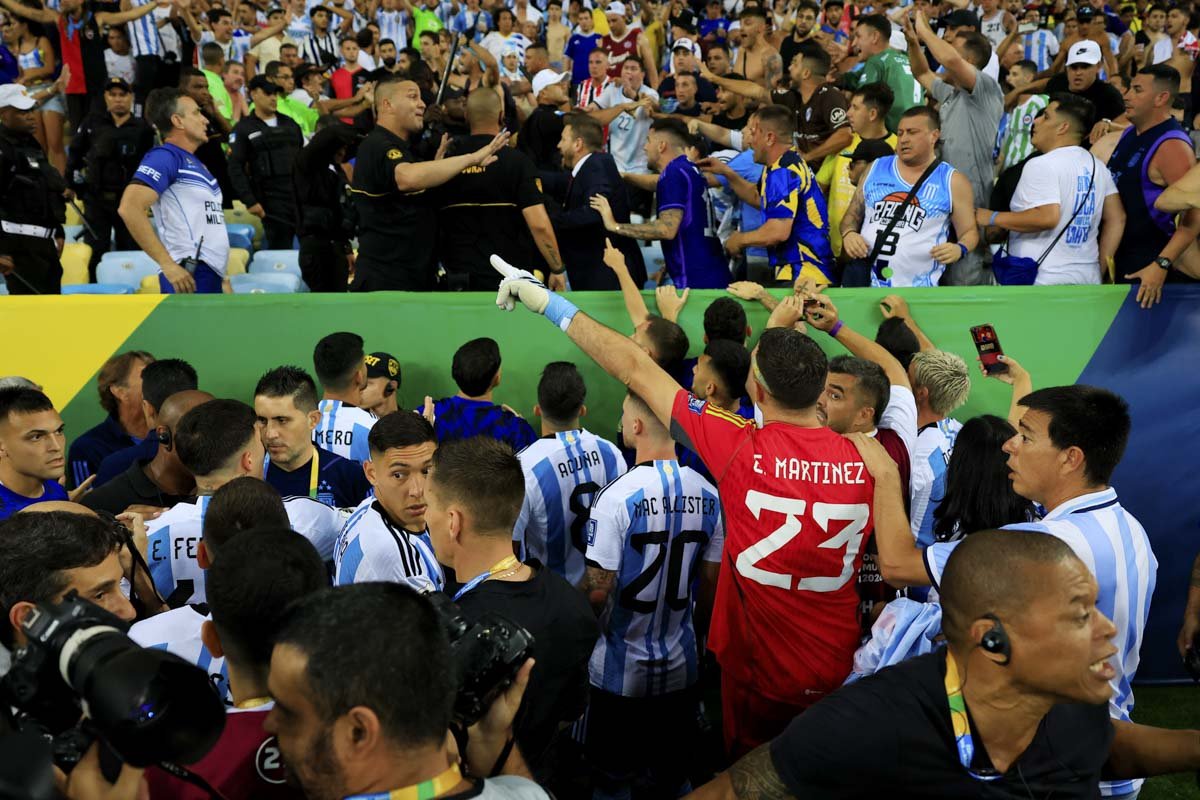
{"x": 393, "y": 144}
{"x": 780, "y": 564}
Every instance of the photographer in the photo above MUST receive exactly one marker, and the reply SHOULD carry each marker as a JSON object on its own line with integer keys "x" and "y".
{"x": 474, "y": 495}
{"x": 364, "y": 690}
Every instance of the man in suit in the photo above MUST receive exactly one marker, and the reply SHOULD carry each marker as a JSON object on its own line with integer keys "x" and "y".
{"x": 579, "y": 228}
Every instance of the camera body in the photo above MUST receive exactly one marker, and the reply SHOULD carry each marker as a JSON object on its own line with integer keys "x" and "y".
{"x": 487, "y": 656}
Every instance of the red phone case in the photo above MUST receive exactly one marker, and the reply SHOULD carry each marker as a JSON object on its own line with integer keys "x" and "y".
{"x": 988, "y": 346}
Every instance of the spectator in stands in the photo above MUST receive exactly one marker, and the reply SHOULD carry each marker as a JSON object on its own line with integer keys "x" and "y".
{"x": 1016, "y": 129}
{"x": 212, "y": 60}
{"x": 271, "y": 48}
{"x": 590, "y": 88}
{"x": 383, "y": 383}
{"x": 1082, "y": 77}
{"x": 476, "y": 371}
{"x": 882, "y": 64}
{"x": 159, "y": 380}
{"x": 212, "y": 152}
{"x": 474, "y": 493}
{"x": 119, "y": 384}
{"x": 358, "y": 712}
{"x": 1053, "y": 219}
{"x": 33, "y": 450}
{"x": 564, "y": 470}
{"x": 285, "y": 401}
{"x": 151, "y": 485}
{"x": 340, "y": 364}
{"x": 265, "y": 144}
{"x": 191, "y": 245}
{"x": 940, "y": 384}
{"x": 257, "y": 578}
{"x": 627, "y": 137}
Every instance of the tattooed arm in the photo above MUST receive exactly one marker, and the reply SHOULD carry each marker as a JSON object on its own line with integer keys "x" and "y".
{"x": 598, "y": 585}
{"x": 853, "y": 244}
{"x": 666, "y": 226}
{"x": 772, "y": 70}
{"x": 752, "y": 778}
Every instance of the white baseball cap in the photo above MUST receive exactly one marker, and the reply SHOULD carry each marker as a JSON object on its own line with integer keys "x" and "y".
{"x": 546, "y": 78}
{"x": 14, "y": 95}
{"x": 1086, "y": 52}
{"x": 615, "y": 7}
{"x": 686, "y": 44}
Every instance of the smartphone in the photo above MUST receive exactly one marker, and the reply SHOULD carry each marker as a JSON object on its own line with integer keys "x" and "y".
{"x": 988, "y": 346}
{"x": 1027, "y": 27}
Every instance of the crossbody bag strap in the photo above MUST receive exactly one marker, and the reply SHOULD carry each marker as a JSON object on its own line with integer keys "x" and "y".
{"x": 895, "y": 220}
{"x": 1078, "y": 207}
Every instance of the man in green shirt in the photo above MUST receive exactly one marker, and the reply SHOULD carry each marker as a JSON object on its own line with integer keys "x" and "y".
{"x": 882, "y": 64}
{"x": 425, "y": 18}
{"x": 306, "y": 117}
{"x": 213, "y": 60}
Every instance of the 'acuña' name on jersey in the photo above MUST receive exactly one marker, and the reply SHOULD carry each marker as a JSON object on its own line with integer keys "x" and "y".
{"x": 587, "y": 459}
{"x": 912, "y": 216}
{"x": 683, "y": 504}
{"x": 845, "y": 473}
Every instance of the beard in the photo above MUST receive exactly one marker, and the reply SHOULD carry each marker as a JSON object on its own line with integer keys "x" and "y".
{"x": 318, "y": 774}
{"x": 389, "y": 62}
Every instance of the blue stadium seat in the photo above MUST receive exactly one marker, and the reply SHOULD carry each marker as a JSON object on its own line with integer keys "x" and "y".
{"x": 267, "y": 283}
{"x": 277, "y": 262}
{"x": 3, "y": 287}
{"x": 653, "y": 255}
{"x": 97, "y": 288}
{"x": 126, "y": 266}
{"x": 74, "y": 233}
{"x": 240, "y": 235}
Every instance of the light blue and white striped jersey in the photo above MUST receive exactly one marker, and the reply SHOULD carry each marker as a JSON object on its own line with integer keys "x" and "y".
{"x": 923, "y": 224}
{"x": 1114, "y": 546}
{"x": 373, "y": 548}
{"x": 1041, "y": 47}
{"x": 178, "y": 631}
{"x": 143, "y": 32}
{"x": 343, "y": 429}
{"x": 927, "y": 486}
{"x": 299, "y": 28}
{"x": 563, "y": 473}
{"x": 233, "y": 50}
{"x": 651, "y": 527}
{"x": 392, "y": 26}
{"x": 173, "y": 538}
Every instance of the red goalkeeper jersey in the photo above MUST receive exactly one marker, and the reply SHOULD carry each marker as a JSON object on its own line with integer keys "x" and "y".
{"x": 797, "y": 505}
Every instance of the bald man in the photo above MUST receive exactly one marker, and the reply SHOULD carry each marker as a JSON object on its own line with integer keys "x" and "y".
{"x": 150, "y": 487}
{"x": 396, "y": 245}
{"x": 496, "y": 208}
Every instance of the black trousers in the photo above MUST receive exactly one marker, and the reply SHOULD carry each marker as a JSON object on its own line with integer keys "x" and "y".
{"x": 37, "y": 268}
{"x": 277, "y": 233}
{"x": 646, "y": 743}
{"x": 323, "y": 264}
{"x": 101, "y": 212}
{"x": 147, "y": 76}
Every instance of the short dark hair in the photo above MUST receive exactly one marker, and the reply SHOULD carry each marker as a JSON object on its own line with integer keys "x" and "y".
{"x": 364, "y": 38}
{"x": 879, "y": 22}
{"x": 730, "y": 362}
{"x": 870, "y": 381}
{"x": 835, "y": 3}
{"x": 19, "y": 400}
{"x": 1078, "y": 109}
{"x": 978, "y": 48}
{"x": 166, "y": 377}
{"x": 587, "y": 129}
{"x": 504, "y": 11}
{"x": 669, "y": 341}
{"x": 932, "y": 117}
{"x": 289, "y": 381}
{"x": 752, "y": 11}
{"x": 561, "y": 392}
{"x": 792, "y": 366}
{"x": 719, "y": 46}
{"x": 725, "y": 318}
{"x": 186, "y": 75}
{"x": 215, "y": 15}
{"x": 809, "y": 5}
{"x": 475, "y": 366}
{"x": 359, "y": 640}
{"x": 240, "y": 505}
{"x": 115, "y": 372}
{"x": 675, "y": 129}
{"x": 634, "y": 60}
{"x": 485, "y": 476}
{"x": 817, "y": 60}
{"x": 897, "y": 338}
{"x": 1166, "y": 78}
{"x": 250, "y": 589}
{"x": 272, "y": 70}
{"x": 37, "y": 550}
{"x": 212, "y": 433}
{"x": 428, "y": 34}
{"x": 211, "y": 54}
{"x": 780, "y": 119}
{"x": 399, "y": 429}
{"x": 387, "y": 40}
{"x": 161, "y": 105}
{"x": 336, "y": 358}
{"x": 1093, "y": 419}
{"x": 288, "y": 46}
{"x": 978, "y": 493}
{"x": 1027, "y": 65}
{"x": 985, "y": 575}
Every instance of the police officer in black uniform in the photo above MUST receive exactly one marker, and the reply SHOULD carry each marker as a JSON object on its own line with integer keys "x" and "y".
{"x": 104, "y": 154}
{"x": 262, "y": 148}
{"x": 324, "y": 212}
{"x": 31, "y": 200}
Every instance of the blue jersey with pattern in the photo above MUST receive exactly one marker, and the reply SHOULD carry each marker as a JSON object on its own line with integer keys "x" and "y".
{"x": 188, "y": 211}
{"x": 788, "y": 191}
{"x": 341, "y": 483}
{"x": 461, "y": 418}
{"x": 694, "y": 257}
{"x": 11, "y": 502}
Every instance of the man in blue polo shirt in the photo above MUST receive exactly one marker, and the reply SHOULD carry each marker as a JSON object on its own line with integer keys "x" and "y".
{"x": 33, "y": 450}
{"x": 686, "y": 223}
{"x": 191, "y": 245}
{"x": 120, "y": 387}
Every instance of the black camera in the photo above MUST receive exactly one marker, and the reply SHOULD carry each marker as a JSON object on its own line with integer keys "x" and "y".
{"x": 148, "y": 706}
{"x": 487, "y": 656}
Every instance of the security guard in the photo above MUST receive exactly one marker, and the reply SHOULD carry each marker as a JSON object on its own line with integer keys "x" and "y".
{"x": 31, "y": 200}
{"x": 263, "y": 147}
{"x": 104, "y": 154}
{"x": 325, "y": 214}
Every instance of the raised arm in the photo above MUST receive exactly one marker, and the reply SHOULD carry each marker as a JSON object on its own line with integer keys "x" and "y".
{"x": 901, "y": 562}
{"x": 631, "y": 293}
{"x": 895, "y": 306}
{"x": 746, "y": 191}
{"x": 1019, "y": 379}
{"x": 193, "y": 24}
{"x": 963, "y": 72}
{"x": 822, "y": 314}
{"x": 268, "y": 32}
{"x": 606, "y": 115}
{"x": 716, "y": 133}
{"x": 665, "y": 227}
{"x": 44, "y": 15}
{"x": 417, "y": 175}
{"x": 750, "y": 89}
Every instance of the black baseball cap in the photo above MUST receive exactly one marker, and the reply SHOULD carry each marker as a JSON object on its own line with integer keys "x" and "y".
{"x": 961, "y": 18}
{"x": 871, "y": 149}
{"x": 117, "y": 83}
{"x": 383, "y": 365}
{"x": 1085, "y": 14}
{"x": 263, "y": 84}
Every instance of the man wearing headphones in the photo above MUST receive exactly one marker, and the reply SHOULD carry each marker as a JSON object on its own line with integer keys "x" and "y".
{"x": 1013, "y": 706}
{"x": 383, "y": 381}
{"x": 159, "y": 482}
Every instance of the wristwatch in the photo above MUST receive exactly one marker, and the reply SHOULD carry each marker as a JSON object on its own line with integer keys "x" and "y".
{"x": 1163, "y": 262}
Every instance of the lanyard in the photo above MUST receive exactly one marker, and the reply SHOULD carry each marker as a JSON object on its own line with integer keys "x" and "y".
{"x": 425, "y": 790}
{"x": 314, "y": 470}
{"x": 961, "y": 723}
{"x": 503, "y": 565}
